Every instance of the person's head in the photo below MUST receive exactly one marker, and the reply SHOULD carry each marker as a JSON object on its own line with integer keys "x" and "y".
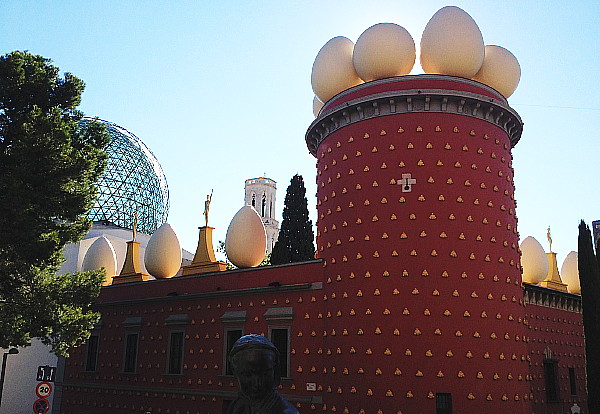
{"x": 255, "y": 363}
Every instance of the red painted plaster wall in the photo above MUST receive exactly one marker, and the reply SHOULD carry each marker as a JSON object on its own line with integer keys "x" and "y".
{"x": 560, "y": 332}
{"x": 427, "y": 282}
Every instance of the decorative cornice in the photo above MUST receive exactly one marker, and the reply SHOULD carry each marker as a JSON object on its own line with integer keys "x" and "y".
{"x": 414, "y": 101}
{"x": 214, "y": 294}
{"x": 551, "y": 298}
{"x": 198, "y": 392}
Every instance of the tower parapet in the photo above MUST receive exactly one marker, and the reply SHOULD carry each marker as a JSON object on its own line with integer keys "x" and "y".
{"x": 417, "y": 230}
{"x": 260, "y": 193}
{"x": 414, "y": 94}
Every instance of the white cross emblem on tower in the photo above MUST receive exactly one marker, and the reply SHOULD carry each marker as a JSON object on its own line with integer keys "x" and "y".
{"x": 406, "y": 182}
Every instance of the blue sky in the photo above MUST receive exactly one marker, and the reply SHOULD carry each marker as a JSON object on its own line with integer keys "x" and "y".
{"x": 220, "y": 91}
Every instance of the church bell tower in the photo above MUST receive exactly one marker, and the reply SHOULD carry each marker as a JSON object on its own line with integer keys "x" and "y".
{"x": 260, "y": 194}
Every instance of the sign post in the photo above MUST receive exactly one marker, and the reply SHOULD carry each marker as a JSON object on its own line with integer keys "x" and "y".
{"x": 43, "y": 389}
{"x": 41, "y": 406}
{"x": 46, "y": 373}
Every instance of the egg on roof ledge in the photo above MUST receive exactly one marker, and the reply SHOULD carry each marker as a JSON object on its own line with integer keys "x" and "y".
{"x": 163, "y": 253}
{"x": 451, "y": 44}
{"x": 101, "y": 255}
{"x": 246, "y": 240}
{"x": 533, "y": 261}
{"x": 569, "y": 273}
{"x": 333, "y": 71}
{"x": 383, "y": 51}
{"x": 500, "y": 70}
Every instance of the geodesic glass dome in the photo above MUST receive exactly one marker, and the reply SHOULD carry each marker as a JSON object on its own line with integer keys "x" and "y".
{"x": 133, "y": 182}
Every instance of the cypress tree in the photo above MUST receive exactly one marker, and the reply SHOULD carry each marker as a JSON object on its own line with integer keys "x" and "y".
{"x": 295, "y": 241}
{"x": 589, "y": 277}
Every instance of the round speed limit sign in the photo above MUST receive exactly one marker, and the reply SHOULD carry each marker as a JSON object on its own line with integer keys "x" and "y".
{"x": 43, "y": 389}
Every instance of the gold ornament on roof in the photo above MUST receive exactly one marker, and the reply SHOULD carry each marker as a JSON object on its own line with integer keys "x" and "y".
{"x": 207, "y": 206}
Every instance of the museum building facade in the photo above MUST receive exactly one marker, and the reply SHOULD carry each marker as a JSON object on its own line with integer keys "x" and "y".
{"x": 415, "y": 303}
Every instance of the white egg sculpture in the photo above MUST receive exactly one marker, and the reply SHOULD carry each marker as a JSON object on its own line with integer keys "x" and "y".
{"x": 333, "y": 71}
{"x": 500, "y": 70}
{"x": 452, "y": 44}
{"x": 101, "y": 254}
{"x": 246, "y": 240}
{"x": 569, "y": 273}
{"x": 533, "y": 261}
{"x": 317, "y": 106}
{"x": 163, "y": 253}
{"x": 383, "y": 51}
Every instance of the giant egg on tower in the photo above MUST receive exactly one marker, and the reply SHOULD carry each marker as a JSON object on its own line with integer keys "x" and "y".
{"x": 452, "y": 44}
{"x": 382, "y": 51}
{"x": 333, "y": 71}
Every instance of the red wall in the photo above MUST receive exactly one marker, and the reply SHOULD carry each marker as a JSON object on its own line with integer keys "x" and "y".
{"x": 561, "y": 332}
{"x": 202, "y": 388}
{"x": 368, "y": 226}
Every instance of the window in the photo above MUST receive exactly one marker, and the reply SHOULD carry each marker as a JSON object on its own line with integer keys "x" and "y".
{"x": 234, "y": 328}
{"x": 231, "y": 335}
{"x": 91, "y": 357}
{"x": 551, "y": 380}
{"x": 280, "y": 338}
{"x": 175, "y": 362}
{"x": 131, "y": 350}
{"x": 254, "y": 200}
{"x": 264, "y": 205}
{"x": 572, "y": 381}
{"x": 443, "y": 403}
{"x": 280, "y": 335}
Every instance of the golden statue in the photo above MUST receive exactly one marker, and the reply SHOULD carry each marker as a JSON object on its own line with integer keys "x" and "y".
{"x": 549, "y": 238}
{"x": 207, "y": 206}
{"x": 135, "y": 223}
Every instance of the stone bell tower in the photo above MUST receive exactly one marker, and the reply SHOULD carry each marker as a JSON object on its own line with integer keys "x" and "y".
{"x": 418, "y": 233}
{"x": 260, "y": 193}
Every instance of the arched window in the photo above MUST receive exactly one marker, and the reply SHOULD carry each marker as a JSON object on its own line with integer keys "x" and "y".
{"x": 264, "y": 204}
{"x": 253, "y": 200}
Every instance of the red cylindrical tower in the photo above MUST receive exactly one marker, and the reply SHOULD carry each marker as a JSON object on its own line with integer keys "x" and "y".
{"x": 417, "y": 230}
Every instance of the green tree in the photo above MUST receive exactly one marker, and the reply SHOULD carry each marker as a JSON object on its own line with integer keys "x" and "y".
{"x": 589, "y": 278}
{"x": 296, "y": 238}
{"x": 48, "y": 170}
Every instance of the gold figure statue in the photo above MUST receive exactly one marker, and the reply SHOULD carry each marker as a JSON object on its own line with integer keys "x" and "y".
{"x": 135, "y": 223}
{"x": 207, "y": 206}
{"x": 549, "y": 239}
